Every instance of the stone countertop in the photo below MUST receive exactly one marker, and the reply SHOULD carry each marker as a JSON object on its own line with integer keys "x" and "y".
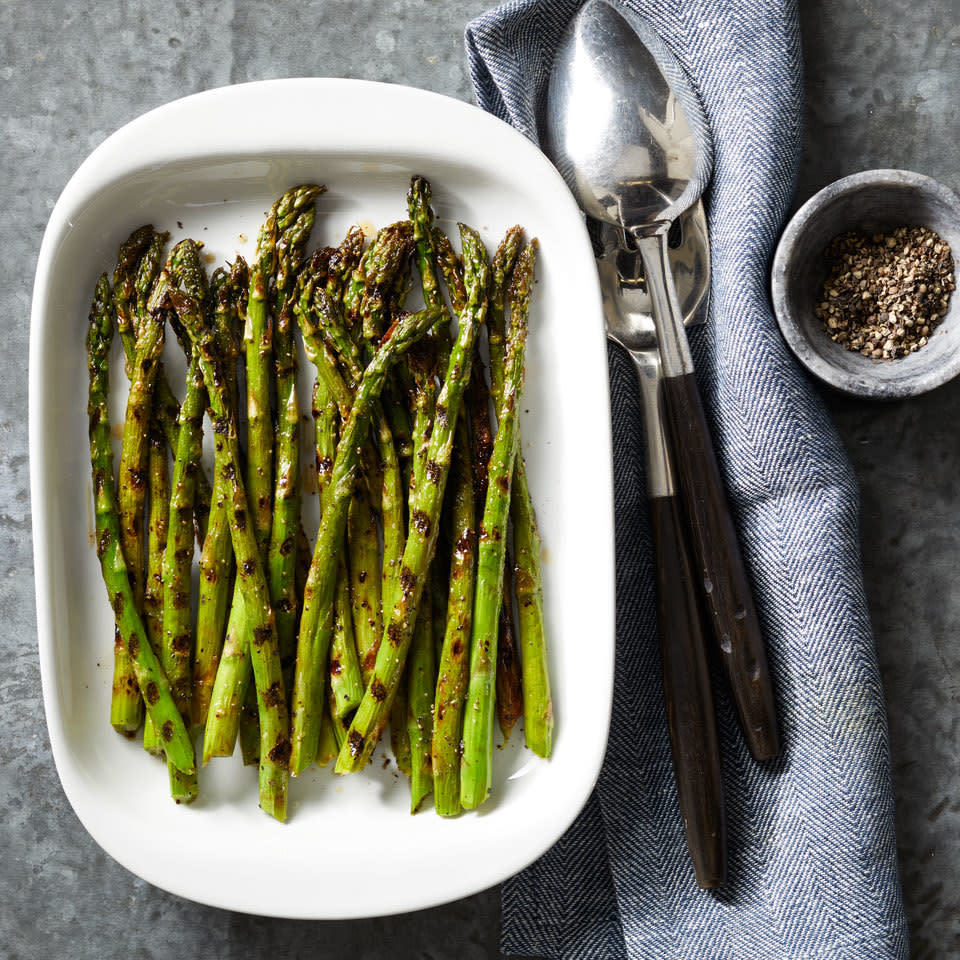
{"x": 880, "y": 92}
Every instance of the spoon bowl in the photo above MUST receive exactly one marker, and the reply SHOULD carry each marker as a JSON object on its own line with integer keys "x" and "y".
{"x": 623, "y": 126}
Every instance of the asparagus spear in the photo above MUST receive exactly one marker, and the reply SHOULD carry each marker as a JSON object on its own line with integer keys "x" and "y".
{"x": 279, "y": 253}
{"x": 509, "y": 687}
{"x": 263, "y": 646}
{"x": 509, "y": 695}
{"x": 433, "y": 250}
{"x": 325, "y": 418}
{"x": 537, "y": 701}
{"x": 439, "y": 579}
{"x": 338, "y": 725}
{"x": 231, "y": 681}
{"x": 126, "y": 708}
{"x": 346, "y": 682}
{"x": 282, "y": 556}
{"x": 477, "y": 761}
{"x": 364, "y": 577}
{"x": 337, "y": 268}
{"x": 452, "y": 269}
{"x": 394, "y": 538}
{"x": 400, "y": 289}
{"x": 422, "y": 684}
{"x": 184, "y": 266}
{"x": 421, "y": 216}
{"x": 303, "y": 568}
{"x": 452, "y": 673}
{"x": 399, "y": 733}
{"x": 156, "y": 545}
{"x": 125, "y": 274}
{"x": 362, "y": 537}
{"x": 228, "y": 289}
{"x": 281, "y": 238}
{"x": 509, "y": 699}
{"x": 138, "y": 265}
{"x": 367, "y": 296}
{"x": 177, "y": 647}
{"x": 325, "y": 424}
{"x": 366, "y": 302}
{"x": 537, "y": 707}
{"x": 371, "y": 715}
{"x": 343, "y": 261}
{"x": 423, "y": 695}
{"x": 368, "y": 625}
{"x": 479, "y": 406}
{"x": 421, "y": 219}
{"x": 316, "y": 621}
{"x": 286, "y": 503}
{"x": 501, "y": 267}
{"x": 422, "y": 366}
{"x": 327, "y": 746}
{"x": 288, "y": 222}
{"x": 331, "y": 393}
{"x": 314, "y": 304}
{"x": 232, "y": 694}
{"x": 422, "y": 659}
{"x": 250, "y": 724}
{"x": 149, "y": 675}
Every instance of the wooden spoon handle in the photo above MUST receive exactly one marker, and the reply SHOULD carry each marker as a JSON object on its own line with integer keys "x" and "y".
{"x": 721, "y": 574}
{"x": 686, "y": 678}
{"x": 689, "y": 700}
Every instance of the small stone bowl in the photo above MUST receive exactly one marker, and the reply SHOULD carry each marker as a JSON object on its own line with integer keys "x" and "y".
{"x": 875, "y": 201}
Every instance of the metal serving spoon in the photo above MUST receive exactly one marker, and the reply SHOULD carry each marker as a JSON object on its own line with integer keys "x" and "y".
{"x": 616, "y": 129}
{"x": 686, "y": 676}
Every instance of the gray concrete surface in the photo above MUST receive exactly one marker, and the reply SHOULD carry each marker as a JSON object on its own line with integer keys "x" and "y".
{"x": 881, "y": 92}
{"x": 882, "y": 84}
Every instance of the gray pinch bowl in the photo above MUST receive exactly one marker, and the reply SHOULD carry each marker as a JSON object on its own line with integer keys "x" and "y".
{"x": 872, "y": 201}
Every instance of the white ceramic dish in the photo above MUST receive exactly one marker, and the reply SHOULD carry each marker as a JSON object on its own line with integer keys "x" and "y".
{"x": 350, "y": 848}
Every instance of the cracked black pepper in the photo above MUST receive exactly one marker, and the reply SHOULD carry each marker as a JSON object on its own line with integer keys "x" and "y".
{"x": 885, "y": 293}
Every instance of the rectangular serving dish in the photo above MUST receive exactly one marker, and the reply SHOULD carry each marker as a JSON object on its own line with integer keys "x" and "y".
{"x": 351, "y": 847}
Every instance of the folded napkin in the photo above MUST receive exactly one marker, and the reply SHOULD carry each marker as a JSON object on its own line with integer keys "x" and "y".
{"x": 812, "y": 867}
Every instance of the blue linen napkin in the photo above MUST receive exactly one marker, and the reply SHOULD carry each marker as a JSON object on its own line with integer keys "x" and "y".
{"x": 812, "y": 868}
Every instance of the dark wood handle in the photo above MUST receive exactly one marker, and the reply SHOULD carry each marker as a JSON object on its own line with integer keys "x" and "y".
{"x": 722, "y": 580}
{"x": 686, "y": 688}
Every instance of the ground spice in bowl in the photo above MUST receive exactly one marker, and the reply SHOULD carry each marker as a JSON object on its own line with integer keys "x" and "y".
{"x": 886, "y": 292}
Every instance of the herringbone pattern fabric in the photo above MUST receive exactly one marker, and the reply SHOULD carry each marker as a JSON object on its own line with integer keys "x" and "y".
{"x": 813, "y": 870}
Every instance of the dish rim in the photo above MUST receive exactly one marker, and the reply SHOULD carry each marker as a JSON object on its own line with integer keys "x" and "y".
{"x": 129, "y": 152}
